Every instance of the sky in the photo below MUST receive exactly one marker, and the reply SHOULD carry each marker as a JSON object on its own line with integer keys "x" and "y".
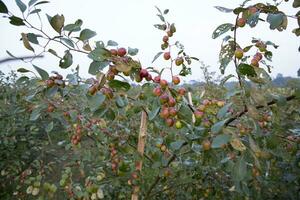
{"x": 130, "y": 23}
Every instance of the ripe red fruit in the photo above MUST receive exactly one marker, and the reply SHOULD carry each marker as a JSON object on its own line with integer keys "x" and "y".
{"x": 179, "y": 61}
{"x": 198, "y": 114}
{"x": 169, "y": 122}
{"x": 50, "y": 108}
{"x": 157, "y": 91}
{"x": 172, "y": 102}
{"x": 254, "y": 62}
{"x": 149, "y": 77}
{"x": 252, "y": 10}
{"x": 49, "y": 83}
{"x": 173, "y": 112}
{"x": 165, "y": 38}
{"x": 164, "y": 113}
{"x": 156, "y": 79}
{"x": 122, "y": 52}
{"x": 181, "y": 91}
{"x": 167, "y": 55}
{"x": 258, "y": 56}
{"x": 239, "y": 53}
{"x": 241, "y": 22}
{"x": 163, "y": 83}
{"x": 143, "y": 73}
{"x": 176, "y": 80}
{"x": 164, "y": 98}
{"x": 114, "y": 52}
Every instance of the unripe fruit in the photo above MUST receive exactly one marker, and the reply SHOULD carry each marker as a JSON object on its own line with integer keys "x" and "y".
{"x": 206, "y": 124}
{"x": 167, "y": 55}
{"x": 114, "y": 52}
{"x": 179, "y": 61}
{"x": 163, "y": 148}
{"x": 239, "y": 53}
{"x": 157, "y": 91}
{"x": 172, "y": 112}
{"x": 198, "y": 114}
{"x": 169, "y": 33}
{"x": 201, "y": 108}
{"x": 176, "y": 80}
{"x": 165, "y": 38}
{"x": 164, "y": 113}
{"x": 254, "y": 62}
{"x": 241, "y": 22}
{"x": 164, "y": 98}
{"x": 122, "y": 52}
{"x": 258, "y": 56}
{"x": 220, "y": 103}
{"x": 126, "y": 73}
{"x": 181, "y": 91}
{"x": 156, "y": 79}
{"x": 178, "y": 124}
{"x": 206, "y": 145}
{"x": 169, "y": 122}
{"x": 163, "y": 83}
{"x": 206, "y": 102}
{"x": 143, "y": 73}
{"x": 171, "y": 102}
{"x": 164, "y": 45}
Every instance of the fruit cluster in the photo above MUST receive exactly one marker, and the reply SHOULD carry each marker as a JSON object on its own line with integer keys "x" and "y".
{"x": 56, "y": 80}
{"x": 241, "y": 22}
{"x": 76, "y": 137}
{"x": 168, "y": 103}
{"x": 114, "y": 158}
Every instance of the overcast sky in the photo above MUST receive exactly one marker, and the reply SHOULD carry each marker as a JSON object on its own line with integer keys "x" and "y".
{"x": 130, "y": 23}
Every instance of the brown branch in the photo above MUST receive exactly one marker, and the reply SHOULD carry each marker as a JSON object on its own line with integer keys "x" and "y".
{"x": 19, "y": 58}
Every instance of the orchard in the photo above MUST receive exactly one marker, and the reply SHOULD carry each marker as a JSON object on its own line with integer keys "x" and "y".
{"x": 132, "y": 132}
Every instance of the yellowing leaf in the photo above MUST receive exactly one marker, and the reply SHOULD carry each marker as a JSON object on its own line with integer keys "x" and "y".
{"x": 26, "y": 42}
{"x": 237, "y": 144}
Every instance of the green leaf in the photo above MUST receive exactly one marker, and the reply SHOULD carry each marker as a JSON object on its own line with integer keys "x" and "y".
{"x": 21, "y": 5}
{"x": 44, "y": 75}
{"x": 185, "y": 113}
{"x": 68, "y": 41}
{"x": 223, "y": 9}
{"x": 87, "y": 34}
{"x": 296, "y": 3}
{"x": 275, "y": 20}
{"x": 57, "y": 23}
{"x": 120, "y": 102}
{"x": 35, "y": 114}
{"x": 74, "y": 27}
{"x": 49, "y": 127}
{"x": 112, "y": 43}
{"x": 220, "y": 140}
{"x": 31, "y": 2}
{"x": 177, "y": 145}
{"x": 97, "y": 66}
{"x": 119, "y": 85}
{"x": 246, "y": 70}
{"x": 166, "y": 11}
{"x": 226, "y": 54}
{"x": 95, "y": 101}
{"x": 67, "y": 60}
{"x": 23, "y": 70}
{"x": 224, "y": 111}
{"x": 157, "y": 56}
{"x": 217, "y": 127}
{"x": 35, "y": 11}
{"x": 16, "y": 21}
{"x": 240, "y": 170}
{"x": 99, "y": 54}
{"x": 153, "y": 113}
{"x": 253, "y": 19}
{"x": 41, "y": 2}
{"x": 3, "y": 8}
{"x": 132, "y": 51}
{"x": 33, "y": 38}
{"x": 222, "y": 29}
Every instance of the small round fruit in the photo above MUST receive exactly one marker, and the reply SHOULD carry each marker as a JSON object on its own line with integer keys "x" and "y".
{"x": 164, "y": 46}
{"x": 206, "y": 145}
{"x": 206, "y": 123}
{"x": 164, "y": 98}
{"x": 178, "y": 124}
{"x": 239, "y": 53}
{"x": 169, "y": 122}
{"x": 167, "y": 55}
{"x": 181, "y": 91}
{"x": 179, "y": 61}
{"x": 114, "y": 52}
{"x": 165, "y": 38}
{"x": 157, "y": 91}
{"x": 149, "y": 77}
{"x": 172, "y": 111}
{"x": 255, "y": 62}
{"x": 241, "y": 22}
{"x": 176, "y": 80}
{"x": 49, "y": 83}
{"x": 156, "y": 79}
{"x": 258, "y": 56}
{"x": 164, "y": 113}
{"x": 171, "y": 102}
{"x": 198, "y": 114}
{"x": 252, "y": 10}
{"x": 50, "y": 108}
{"x": 122, "y": 52}
{"x": 163, "y": 84}
{"x": 163, "y": 148}
{"x": 169, "y": 33}
{"x": 143, "y": 73}
{"x": 221, "y": 103}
